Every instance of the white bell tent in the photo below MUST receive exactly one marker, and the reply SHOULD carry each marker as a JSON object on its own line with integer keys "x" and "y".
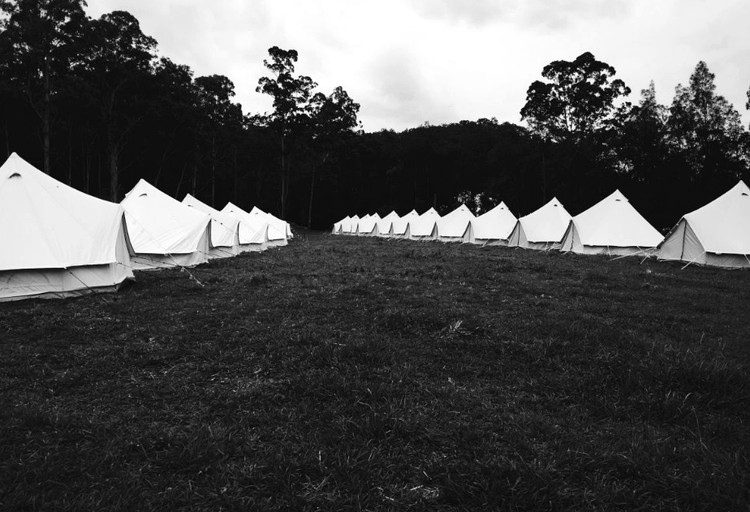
{"x": 346, "y": 225}
{"x": 612, "y": 227}
{"x": 368, "y": 226}
{"x": 225, "y": 229}
{"x": 385, "y": 224}
{"x": 456, "y": 226}
{"x": 57, "y": 241}
{"x": 400, "y": 227}
{"x": 494, "y": 227}
{"x": 164, "y": 232}
{"x": 279, "y": 231}
{"x": 351, "y": 227}
{"x": 717, "y": 234}
{"x": 424, "y": 227}
{"x": 542, "y": 229}
{"x": 360, "y": 220}
{"x": 337, "y": 226}
{"x": 253, "y": 233}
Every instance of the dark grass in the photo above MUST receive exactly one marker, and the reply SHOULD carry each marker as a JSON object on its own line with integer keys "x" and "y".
{"x": 344, "y": 373}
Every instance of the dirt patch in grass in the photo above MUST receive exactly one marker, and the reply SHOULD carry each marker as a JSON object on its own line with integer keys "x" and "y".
{"x": 343, "y": 373}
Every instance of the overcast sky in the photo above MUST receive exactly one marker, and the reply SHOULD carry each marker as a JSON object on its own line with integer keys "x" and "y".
{"x": 411, "y": 61}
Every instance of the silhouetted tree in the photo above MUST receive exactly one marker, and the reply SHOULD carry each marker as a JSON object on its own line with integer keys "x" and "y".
{"x": 175, "y": 113}
{"x": 118, "y": 65}
{"x": 643, "y": 131}
{"x": 221, "y": 116}
{"x": 706, "y": 132}
{"x": 37, "y": 45}
{"x": 95, "y": 89}
{"x": 333, "y": 119}
{"x": 291, "y": 95}
{"x": 577, "y": 99}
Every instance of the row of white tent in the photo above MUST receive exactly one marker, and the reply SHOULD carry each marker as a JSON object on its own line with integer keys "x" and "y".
{"x": 718, "y": 234}
{"x": 58, "y": 241}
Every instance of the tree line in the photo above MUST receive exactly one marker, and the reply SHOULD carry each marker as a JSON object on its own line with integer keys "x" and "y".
{"x": 89, "y": 102}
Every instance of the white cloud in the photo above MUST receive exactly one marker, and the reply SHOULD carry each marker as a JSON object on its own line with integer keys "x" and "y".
{"x": 412, "y": 61}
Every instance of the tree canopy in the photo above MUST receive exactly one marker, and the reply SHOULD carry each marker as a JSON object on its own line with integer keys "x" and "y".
{"x": 89, "y": 101}
{"x": 577, "y": 99}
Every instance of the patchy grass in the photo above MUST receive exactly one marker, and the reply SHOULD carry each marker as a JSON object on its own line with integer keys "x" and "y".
{"x": 345, "y": 373}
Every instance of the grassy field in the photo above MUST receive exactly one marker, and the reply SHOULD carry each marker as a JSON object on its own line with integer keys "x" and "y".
{"x": 344, "y": 373}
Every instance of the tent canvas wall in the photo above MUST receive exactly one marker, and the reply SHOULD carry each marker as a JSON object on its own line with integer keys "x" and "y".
{"x": 253, "y": 230}
{"x": 400, "y": 227}
{"x": 542, "y": 229}
{"x": 337, "y": 226}
{"x": 456, "y": 226}
{"x": 351, "y": 227}
{"x": 224, "y": 229}
{"x": 346, "y": 225}
{"x": 424, "y": 227}
{"x": 717, "y": 234}
{"x": 57, "y": 241}
{"x": 279, "y": 231}
{"x": 385, "y": 225}
{"x": 495, "y": 226}
{"x": 368, "y": 226}
{"x": 164, "y": 232}
{"x": 355, "y": 226}
{"x": 612, "y": 227}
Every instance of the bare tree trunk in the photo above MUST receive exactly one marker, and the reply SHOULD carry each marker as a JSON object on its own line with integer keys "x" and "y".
{"x": 46, "y": 115}
{"x": 99, "y": 174}
{"x": 7, "y": 138}
{"x": 163, "y": 159}
{"x": 112, "y": 150}
{"x": 312, "y": 190}
{"x": 234, "y": 172}
{"x": 213, "y": 170}
{"x": 414, "y": 201}
{"x": 194, "y": 185}
{"x": 287, "y": 184}
{"x": 544, "y": 172}
{"x": 258, "y": 185}
{"x": 194, "y": 188}
{"x": 70, "y": 153}
{"x": 179, "y": 183}
{"x": 114, "y": 172}
{"x": 87, "y": 165}
{"x": 284, "y": 178}
{"x": 312, "y": 195}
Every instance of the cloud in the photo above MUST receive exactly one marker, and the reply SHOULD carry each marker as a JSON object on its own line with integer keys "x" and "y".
{"x": 410, "y": 61}
{"x": 476, "y": 12}
{"x": 561, "y": 15}
{"x": 532, "y": 14}
{"x": 398, "y": 92}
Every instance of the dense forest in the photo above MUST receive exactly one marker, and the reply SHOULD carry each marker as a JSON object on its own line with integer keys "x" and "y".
{"x": 91, "y": 102}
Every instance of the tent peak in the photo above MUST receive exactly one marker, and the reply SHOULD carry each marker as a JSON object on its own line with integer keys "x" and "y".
{"x": 618, "y": 196}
